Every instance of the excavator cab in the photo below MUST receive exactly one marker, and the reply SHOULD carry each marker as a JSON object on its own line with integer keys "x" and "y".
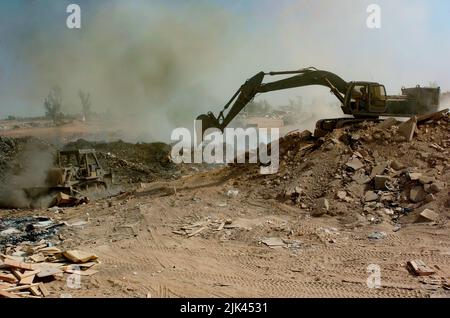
{"x": 365, "y": 99}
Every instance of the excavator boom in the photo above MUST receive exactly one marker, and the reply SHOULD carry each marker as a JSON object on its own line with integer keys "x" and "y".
{"x": 363, "y": 100}
{"x": 255, "y": 85}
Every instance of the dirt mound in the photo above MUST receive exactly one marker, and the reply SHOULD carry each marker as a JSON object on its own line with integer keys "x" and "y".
{"x": 141, "y": 162}
{"x": 365, "y": 172}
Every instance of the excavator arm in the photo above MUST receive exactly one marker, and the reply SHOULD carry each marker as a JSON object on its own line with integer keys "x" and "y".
{"x": 255, "y": 85}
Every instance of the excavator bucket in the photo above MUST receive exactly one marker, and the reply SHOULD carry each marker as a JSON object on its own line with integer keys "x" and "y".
{"x": 207, "y": 121}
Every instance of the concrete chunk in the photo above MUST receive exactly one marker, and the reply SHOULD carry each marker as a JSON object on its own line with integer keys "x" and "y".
{"x": 397, "y": 165}
{"x": 370, "y": 196}
{"x": 355, "y": 164}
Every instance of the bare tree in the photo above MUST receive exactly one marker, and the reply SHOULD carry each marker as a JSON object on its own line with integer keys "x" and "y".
{"x": 53, "y": 103}
{"x": 85, "y": 104}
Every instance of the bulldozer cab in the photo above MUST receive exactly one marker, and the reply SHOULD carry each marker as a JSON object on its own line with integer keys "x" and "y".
{"x": 84, "y": 160}
{"x": 365, "y": 98}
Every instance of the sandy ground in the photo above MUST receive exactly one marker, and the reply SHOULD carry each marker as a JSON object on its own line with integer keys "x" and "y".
{"x": 144, "y": 251}
{"x": 141, "y": 256}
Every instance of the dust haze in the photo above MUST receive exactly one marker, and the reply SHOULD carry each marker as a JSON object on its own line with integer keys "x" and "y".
{"x": 30, "y": 170}
{"x": 156, "y": 66}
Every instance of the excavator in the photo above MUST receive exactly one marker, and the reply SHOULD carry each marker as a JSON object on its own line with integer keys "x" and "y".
{"x": 363, "y": 100}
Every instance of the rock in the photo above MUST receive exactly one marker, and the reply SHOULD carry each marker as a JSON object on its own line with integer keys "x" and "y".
{"x": 413, "y": 176}
{"x": 429, "y": 198}
{"x": 427, "y": 188}
{"x": 341, "y": 195}
{"x": 428, "y": 215}
{"x": 355, "y": 164}
{"x": 388, "y": 123}
{"x": 322, "y": 208}
{"x": 426, "y": 179}
{"x": 232, "y": 193}
{"x": 408, "y": 128}
{"x": 388, "y": 211}
{"x": 10, "y": 231}
{"x": 380, "y": 182}
{"x": 360, "y": 177}
{"x": 378, "y": 169}
{"x": 370, "y": 196}
{"x": 377, "y": 235}
{"x": 417, "y": 194}
{"x": 436, "y": 187}
{"x": 397, "y": 165}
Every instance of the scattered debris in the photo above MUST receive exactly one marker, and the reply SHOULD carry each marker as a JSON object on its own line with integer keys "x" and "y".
{"x": 274, "y": 242}
{"x": 419, "y": 268}
{"x": 377, "y": 235}
{"x": 428, "y": 215}
{"x": 42, "y": 264}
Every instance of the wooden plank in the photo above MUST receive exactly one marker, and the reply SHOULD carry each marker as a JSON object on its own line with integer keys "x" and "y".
{"x": 35, "y": 291}
{"x": 9, "y": 278}
{"x": 30, "y": 273}
{"x": 419, "y": 268}
{"x": 16, "y": 264}
{"x": 27, "y": 280}
{"x": 43, "y": 290}
{"x": 198, "y": 231}
{"x": 5, "y": 294}
{"x": 20, "y": 287}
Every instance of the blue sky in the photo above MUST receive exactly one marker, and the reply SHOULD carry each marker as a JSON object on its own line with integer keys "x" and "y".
{"x": 412, "y": 47}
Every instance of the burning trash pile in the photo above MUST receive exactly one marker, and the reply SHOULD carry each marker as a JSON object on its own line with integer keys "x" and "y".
{"x": 377, "y": 171}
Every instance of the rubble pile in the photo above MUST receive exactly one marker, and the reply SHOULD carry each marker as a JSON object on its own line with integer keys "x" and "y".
{"x": 373, "y": 171}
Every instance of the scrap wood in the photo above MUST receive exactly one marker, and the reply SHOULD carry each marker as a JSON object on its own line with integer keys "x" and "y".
{"x": 16, "y": 264}
{"x": 35, "y": 291}
{"x": 9, "y": 278}
{"x": 221, "y": 226}
{"x": 6, "y": 294}
{"x": 419, "y": 268}
{"x": 197, "y": 231}
{"x": 20, "y": 287}
{"x": 27, "y": 280}
{"x": 78, "y": 256}
{"x": 43, "y": 290}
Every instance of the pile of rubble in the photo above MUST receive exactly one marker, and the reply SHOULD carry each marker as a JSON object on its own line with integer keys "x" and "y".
{"x": 380, "y": 171}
